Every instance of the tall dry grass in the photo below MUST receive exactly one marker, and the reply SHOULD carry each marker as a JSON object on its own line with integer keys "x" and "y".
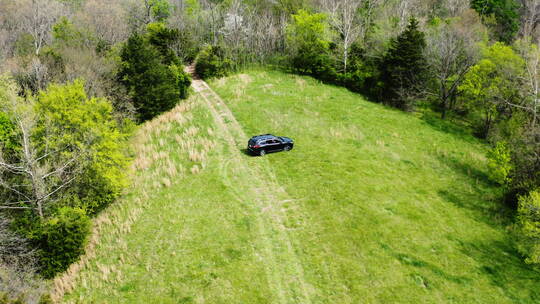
{"x": 158, "y": 149}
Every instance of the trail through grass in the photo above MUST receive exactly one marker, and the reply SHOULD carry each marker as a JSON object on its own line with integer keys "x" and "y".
{"x": 372, "y": 206}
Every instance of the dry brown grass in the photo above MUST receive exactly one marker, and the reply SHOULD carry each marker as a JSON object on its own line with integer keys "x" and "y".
{"x": 301, "y": 83}
{"x": 221, "y": 82}
{"x": 245, "y": 78}
{"x": 195, "y": 169}
{"x": 152, "y": 150}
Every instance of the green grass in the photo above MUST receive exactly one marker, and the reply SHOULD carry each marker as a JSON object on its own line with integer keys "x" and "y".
{"x": 379, "y": 206}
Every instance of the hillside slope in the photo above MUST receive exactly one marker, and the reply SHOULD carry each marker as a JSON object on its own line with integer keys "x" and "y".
{"x": 372, "y": 206}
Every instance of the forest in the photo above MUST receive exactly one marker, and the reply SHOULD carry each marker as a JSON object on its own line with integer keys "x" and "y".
{"x": 78, "y": 77}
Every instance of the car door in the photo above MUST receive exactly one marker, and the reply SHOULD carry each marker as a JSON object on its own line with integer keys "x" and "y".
{"x": 279, "y": 144}
{"x": 273, "y": 145}
{"x": 266, "y": 145}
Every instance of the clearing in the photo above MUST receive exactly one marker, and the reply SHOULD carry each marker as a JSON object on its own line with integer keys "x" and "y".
{"x": 372, "y": 206}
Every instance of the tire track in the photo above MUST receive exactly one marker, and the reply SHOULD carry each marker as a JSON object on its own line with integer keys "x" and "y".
{"x": 264, "y": 196}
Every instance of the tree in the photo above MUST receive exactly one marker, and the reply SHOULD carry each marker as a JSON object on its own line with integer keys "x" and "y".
{"x": 212, "y": 62}
{"x": 18, "y": 266}
{"x": 163, "y": 39}
{"x": 531, "y": 78}
{"x": 59, "y": 151}
{"x": 529, "y": 226}
{"x": 38, "y": 18}
{"x": 452, "y": 48}
{"x": 492, "y": 84}
{"x": 351, "y": 19}
{"x": 308, "y": 39}
{"x": 95, "y": 143}
{"x": 33, "y": 180}
{"x": 404, "y": 68}
{"x": 153, "y": 86}
{"x": 530, "y": 18}
{"x": 505, "y": 14}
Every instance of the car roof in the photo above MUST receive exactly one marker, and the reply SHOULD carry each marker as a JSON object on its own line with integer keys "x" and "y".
{"x": 263, "y": 137}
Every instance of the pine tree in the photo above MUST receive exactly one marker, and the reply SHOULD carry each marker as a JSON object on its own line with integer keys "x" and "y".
{"x": 152, "y": 76}
{"x": 404, "y": 68}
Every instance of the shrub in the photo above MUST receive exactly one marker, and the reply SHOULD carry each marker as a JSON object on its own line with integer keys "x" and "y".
{"x": 529, "y": 226}
{"x": 314, "y": 63}
{"x": 500, "y": 163}
{"x": 61, "y": 240}
{"x": 212, "y": 62}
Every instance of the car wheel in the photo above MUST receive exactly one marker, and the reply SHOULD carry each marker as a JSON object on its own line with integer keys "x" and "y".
{"x": 262, "y": 153}
{"x": 287, "y": 148}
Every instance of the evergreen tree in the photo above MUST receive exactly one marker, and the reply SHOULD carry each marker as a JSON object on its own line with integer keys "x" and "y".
{"x": 404, "y": 68}
{"x": 501, "y": 15}
{"x": 151, "y": 74}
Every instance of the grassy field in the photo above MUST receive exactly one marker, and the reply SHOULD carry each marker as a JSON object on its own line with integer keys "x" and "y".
{"x": 372, "y": 206}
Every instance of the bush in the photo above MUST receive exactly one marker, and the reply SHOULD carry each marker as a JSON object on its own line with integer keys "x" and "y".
{"x": 500, "y": 163}
{"x": 212, "y": 62}
{"x": 314, "y": 63}
{"x": 529, "y": 226}
{"x": 61, "y": 240}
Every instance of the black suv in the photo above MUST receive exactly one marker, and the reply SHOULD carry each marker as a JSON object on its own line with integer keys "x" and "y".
{"x": 262, "y": 144}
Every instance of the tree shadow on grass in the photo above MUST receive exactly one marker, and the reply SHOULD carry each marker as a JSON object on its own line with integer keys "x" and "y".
{"x": 483, "y": 198}
{"x": 468, "y": 171}
{"x": 486, "y": 208}
{"x": 504, "y": 266}
{"x": 412, "y": 260}
{"x": 449, "y": 127}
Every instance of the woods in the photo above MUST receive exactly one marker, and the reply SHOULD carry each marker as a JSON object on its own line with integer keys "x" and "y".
{"x": 79, "y": 75}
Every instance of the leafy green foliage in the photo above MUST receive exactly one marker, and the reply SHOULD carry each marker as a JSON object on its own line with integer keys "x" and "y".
{"x": 491, "y": 83}
{"x": 151, "y": 74}
{"x": 8, "y": 135}
{"x": 212, "y": 61}
{"x": 6, "y": 299}
{"x": 404, "y": 68}
{"x": 62, "y": 239}
{"x": 65, "y": 33}
{"x": 361, "y": 72}
{"x": 81, "y": 141}
{"x": 161, "y": 9}
{"x": 500, "y": 163}
{"x": 85, "y": 129}
{"x": 308, "y": 39}
{"x": 162, "y": 38}
{"x": 529, "y": 224}
{"x": 505, "y": 13}
{"x": 24, "y": 45}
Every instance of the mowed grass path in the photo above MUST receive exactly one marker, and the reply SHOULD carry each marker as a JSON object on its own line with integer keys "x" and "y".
{"x": 388, "y": 208}
{"x": 372, "y": 206}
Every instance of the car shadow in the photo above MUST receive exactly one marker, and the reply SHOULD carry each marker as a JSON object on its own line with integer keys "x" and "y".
{"x": 246, "y": 152}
